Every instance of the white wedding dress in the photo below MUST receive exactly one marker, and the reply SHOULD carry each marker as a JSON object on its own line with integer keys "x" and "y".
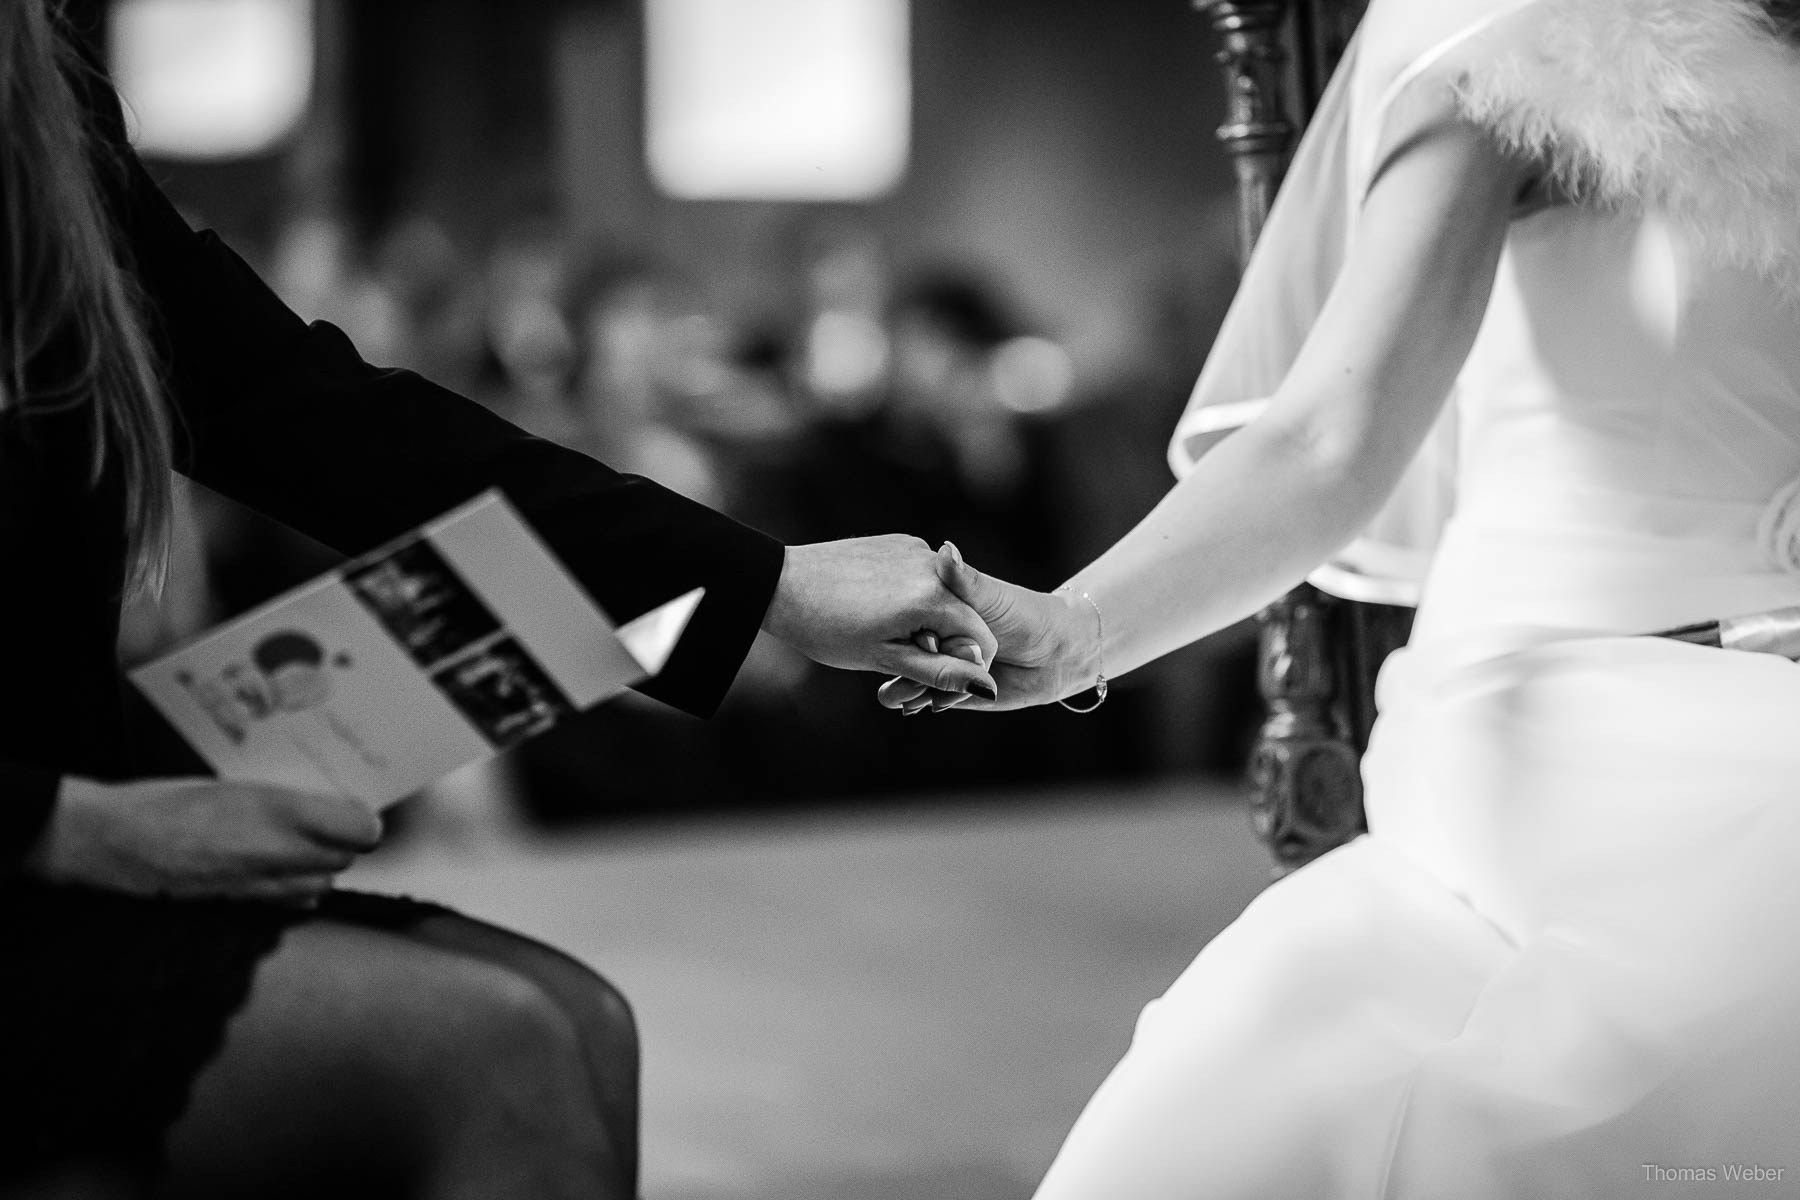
{"x": 1565, "y": 961}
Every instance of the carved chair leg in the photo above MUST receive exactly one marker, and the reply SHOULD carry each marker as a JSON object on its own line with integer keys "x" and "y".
{"x": 1306, "y": 790}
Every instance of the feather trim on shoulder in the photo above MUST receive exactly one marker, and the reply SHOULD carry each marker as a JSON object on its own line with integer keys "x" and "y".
{"x": 1688, "y": 107}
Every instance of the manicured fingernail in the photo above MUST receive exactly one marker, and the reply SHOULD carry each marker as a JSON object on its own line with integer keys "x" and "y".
{"x": 954, "y": 552}
{"x": 984, "y": 690}
{"x": 911, "y": 712}
{"x": 928, "y": 642}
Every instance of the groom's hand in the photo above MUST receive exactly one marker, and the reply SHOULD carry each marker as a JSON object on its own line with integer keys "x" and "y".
{"x": 863, "y": 603}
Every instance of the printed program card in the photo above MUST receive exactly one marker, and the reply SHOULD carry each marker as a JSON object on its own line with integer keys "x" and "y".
{"x": 450, "y": 644}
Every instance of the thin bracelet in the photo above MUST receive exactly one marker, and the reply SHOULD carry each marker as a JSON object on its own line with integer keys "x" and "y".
{"x": 1100, "y": 676}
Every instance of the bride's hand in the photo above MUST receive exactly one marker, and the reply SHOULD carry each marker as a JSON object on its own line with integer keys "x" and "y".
{"x": 1049, "y": 644}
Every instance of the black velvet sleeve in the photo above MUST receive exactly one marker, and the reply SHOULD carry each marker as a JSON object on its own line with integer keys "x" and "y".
{"x": 289, "y": 419}
{"x": 28, "y": 794}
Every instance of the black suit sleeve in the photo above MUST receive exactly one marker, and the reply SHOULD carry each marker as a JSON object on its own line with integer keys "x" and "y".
{"x": 27, "y": 794}
{"x": 289, "y": 419}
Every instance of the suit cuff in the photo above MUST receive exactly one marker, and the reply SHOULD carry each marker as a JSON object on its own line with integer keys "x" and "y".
{"x": 27, "y": 797}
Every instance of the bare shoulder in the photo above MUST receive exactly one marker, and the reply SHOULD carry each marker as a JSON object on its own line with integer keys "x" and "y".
{"x": 1426, "y": 132}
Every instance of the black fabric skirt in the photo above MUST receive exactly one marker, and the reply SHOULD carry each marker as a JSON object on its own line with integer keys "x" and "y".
{"x": 111, "y": 1005}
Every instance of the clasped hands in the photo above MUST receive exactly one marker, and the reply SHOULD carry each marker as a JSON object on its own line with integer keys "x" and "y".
{"x": 950, "y": 635}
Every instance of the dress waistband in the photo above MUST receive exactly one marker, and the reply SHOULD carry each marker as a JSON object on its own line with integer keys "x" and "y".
{"x": 1613, "y": 579}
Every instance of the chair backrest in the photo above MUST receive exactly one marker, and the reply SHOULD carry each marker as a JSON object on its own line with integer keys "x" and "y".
{"x": 1319, "y": 655}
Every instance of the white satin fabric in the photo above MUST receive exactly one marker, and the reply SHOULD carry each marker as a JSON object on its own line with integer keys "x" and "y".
{"x": 1567, "y": 956}
{"x": 1565, "y": 962}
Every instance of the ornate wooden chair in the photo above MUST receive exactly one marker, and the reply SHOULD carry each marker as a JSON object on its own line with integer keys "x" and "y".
{"x": 1319, "y": 653}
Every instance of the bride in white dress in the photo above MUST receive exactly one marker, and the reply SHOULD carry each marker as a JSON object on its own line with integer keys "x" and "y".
{"x": 1565, "y": 961}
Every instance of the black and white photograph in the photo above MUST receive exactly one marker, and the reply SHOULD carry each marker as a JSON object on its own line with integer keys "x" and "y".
{"x": 503, "y": 692}
{"x": 900, "y": 599}
{"x": 422, "y": 601}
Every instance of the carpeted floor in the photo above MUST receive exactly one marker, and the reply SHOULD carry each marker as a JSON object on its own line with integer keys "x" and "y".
{"x": 911, "y": 1001}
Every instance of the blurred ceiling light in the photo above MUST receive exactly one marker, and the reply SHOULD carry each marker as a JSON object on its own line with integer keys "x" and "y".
{"x": 778, "y": 99}
{"x": 212, "y": 79}
{"x": 1032, "y": 375}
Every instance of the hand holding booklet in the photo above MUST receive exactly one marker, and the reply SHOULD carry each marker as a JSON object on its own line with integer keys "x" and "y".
{"x": 450, "y": 644}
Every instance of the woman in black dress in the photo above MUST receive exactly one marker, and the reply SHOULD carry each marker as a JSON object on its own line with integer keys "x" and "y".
{"x": 187, "y": 1008}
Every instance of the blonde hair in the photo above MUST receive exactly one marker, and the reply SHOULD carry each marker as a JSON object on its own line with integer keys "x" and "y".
{"x": 72, "y": 330}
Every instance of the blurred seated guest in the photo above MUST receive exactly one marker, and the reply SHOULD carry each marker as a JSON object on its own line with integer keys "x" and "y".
{"x": 442, "y": 301}
{"x": 315, "y": 268}
{"x": 533, "y": 344}
{"x": 946, "y": 330}
{"x": 189, "y": 1006}
{"x": 667, "y": 386}
{"x": 943, "y": 454}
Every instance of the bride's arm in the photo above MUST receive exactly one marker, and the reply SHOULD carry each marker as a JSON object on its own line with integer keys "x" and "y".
{"x": 1276, "y": 498}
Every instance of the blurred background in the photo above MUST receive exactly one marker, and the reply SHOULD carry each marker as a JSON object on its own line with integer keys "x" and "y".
{"x": 837, "y": 267}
